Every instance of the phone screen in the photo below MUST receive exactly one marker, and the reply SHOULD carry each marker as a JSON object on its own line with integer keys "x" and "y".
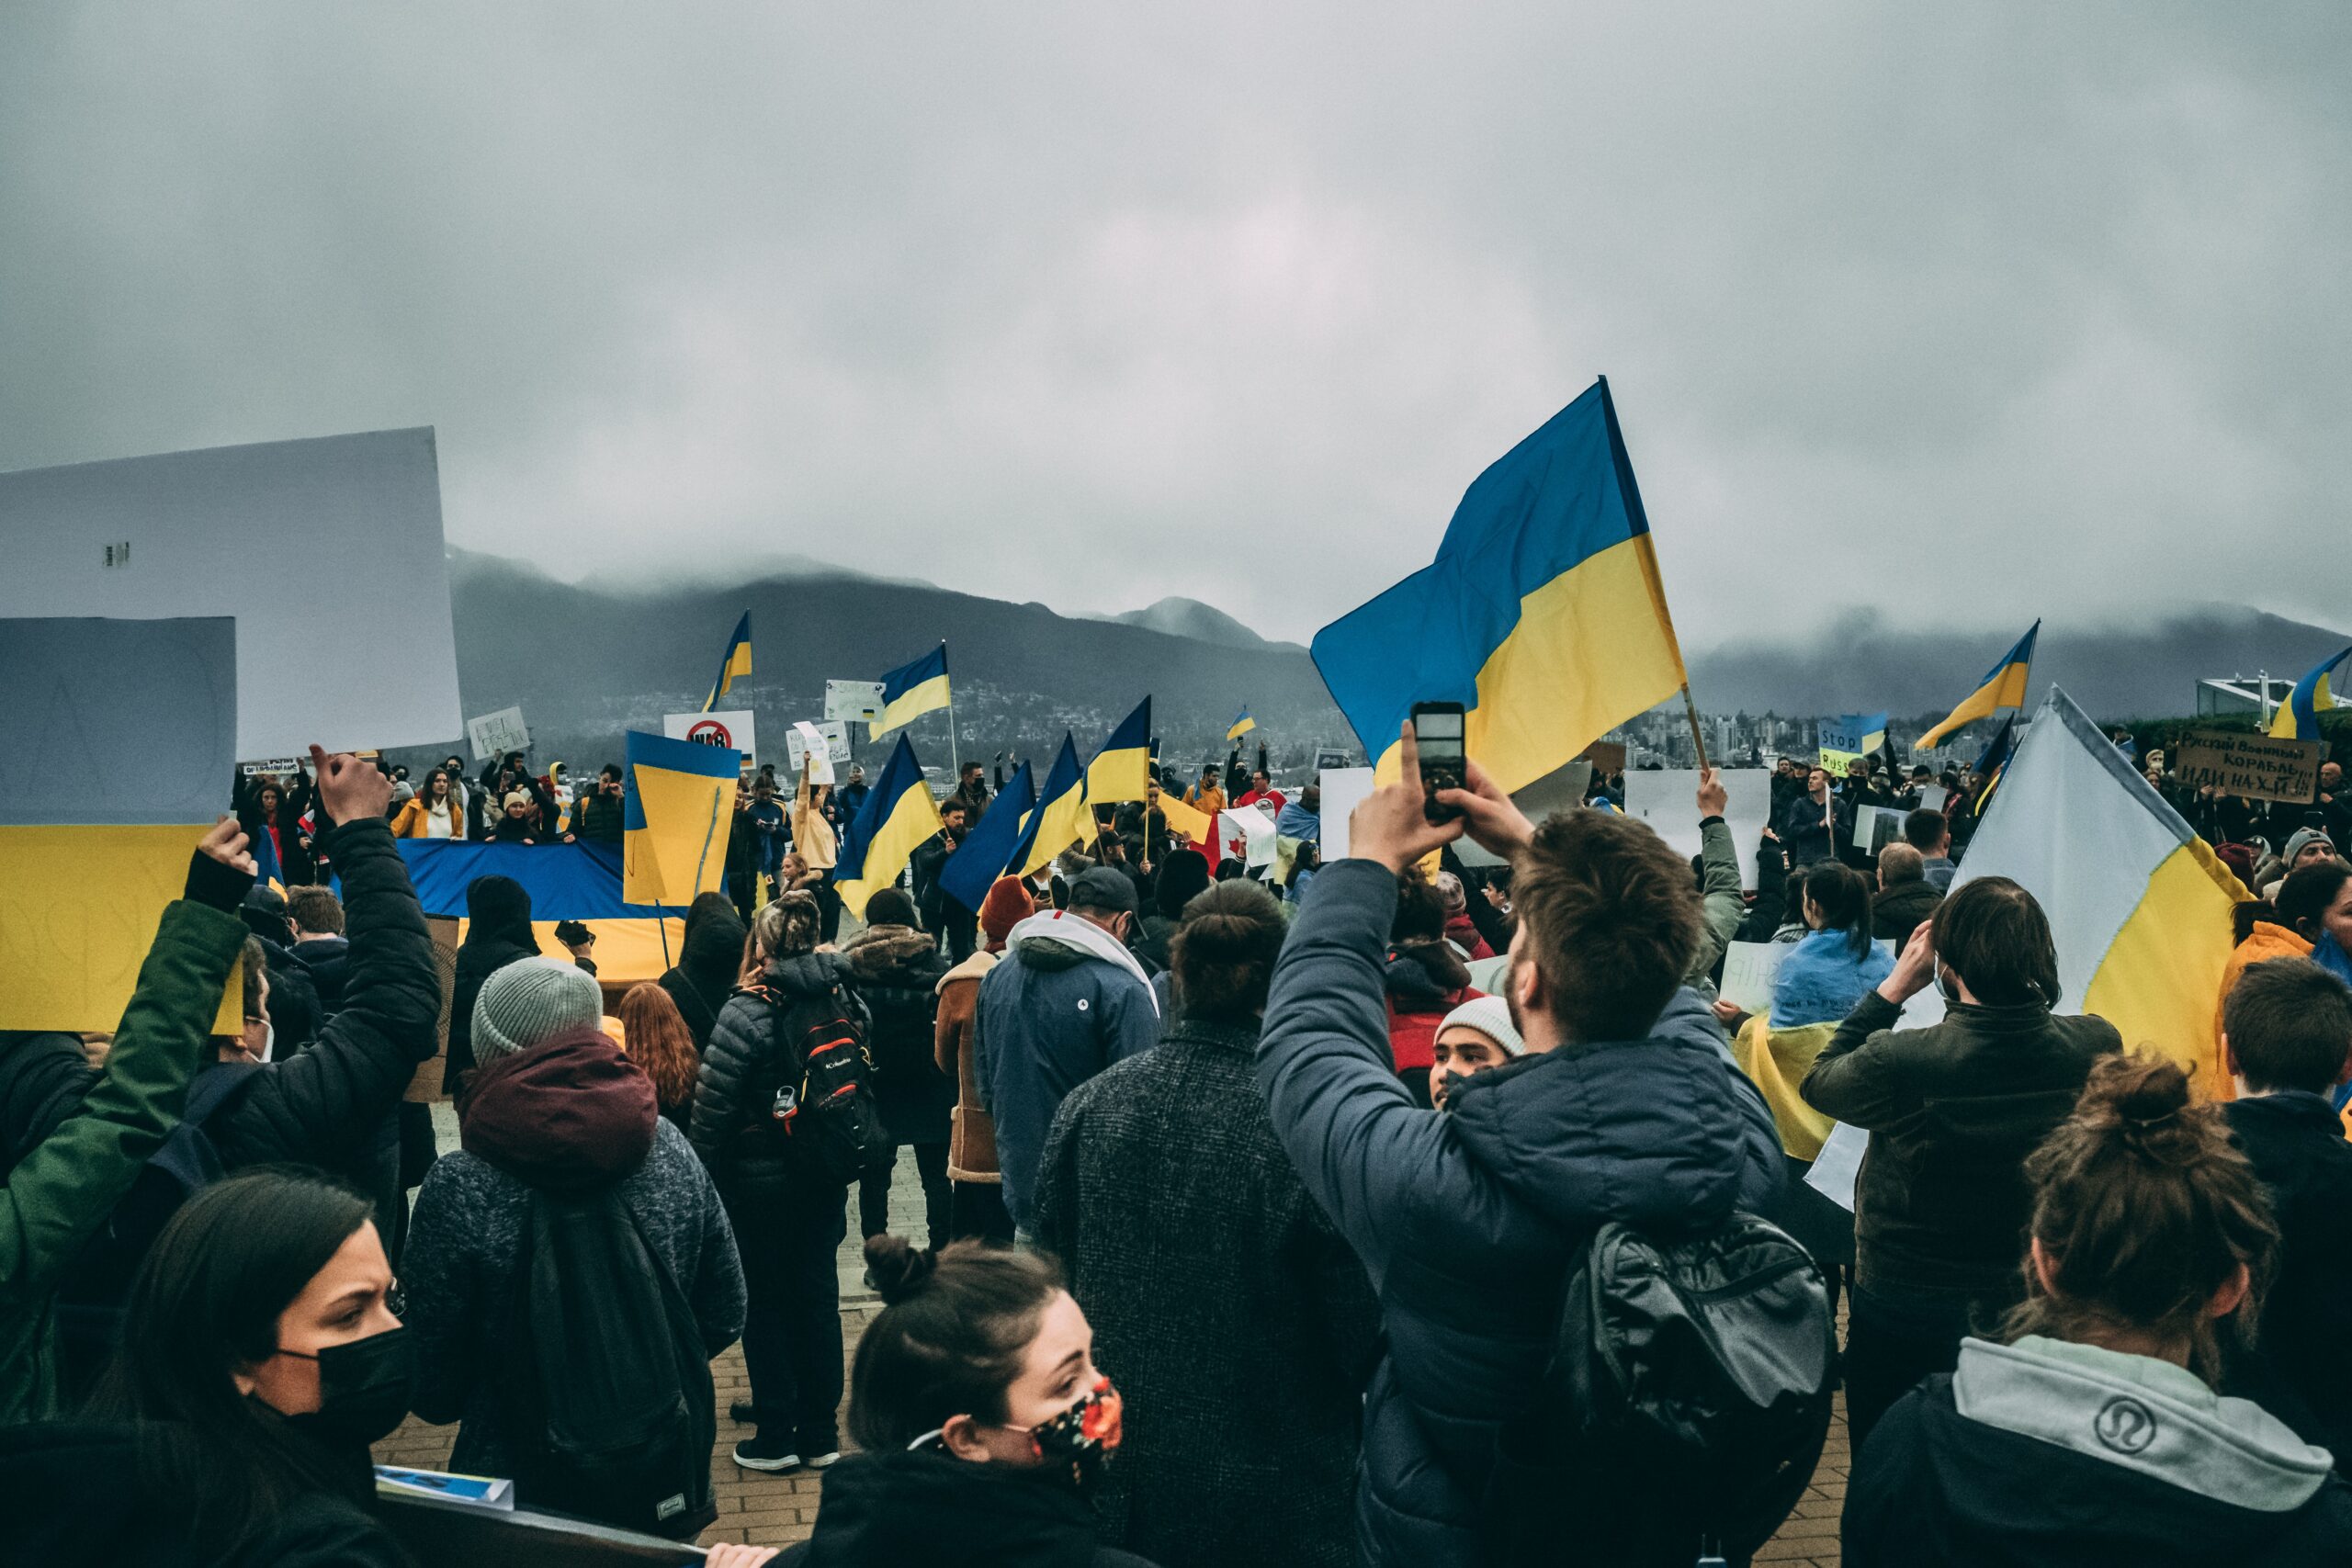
{"x": 1438, "y": 734}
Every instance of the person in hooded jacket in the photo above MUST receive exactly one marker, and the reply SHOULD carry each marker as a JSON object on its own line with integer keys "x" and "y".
{"x": 553, "y": 1106}
{"x": 1623, "y": 1107}
{"x": 710, "y": 960}
{"x": 295, "y": 1011}
{"x": 498, "y": 932}
{"x": 789, "y": 1219}
{"x": 1182, "y": 875}
{"x": 1425, "y": 978}
{"x": 894, "y": 968}
{"x": 982, "y": 1424}
{"x": 976, "y": 1193}
{"x": 2089, "y": 1431}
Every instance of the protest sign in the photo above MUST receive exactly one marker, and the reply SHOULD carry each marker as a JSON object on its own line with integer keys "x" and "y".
{"x": 1327, "y": 759}
{"x": 733, "y": 728}
{"x": 831, "y": 737}
{"x": 2260, "y": 767}
{"x": 275, "y": 767}
{"x": 1749, "y": 969}
{"x": 1838, "y": 1165}
{"x": 1931, "y": 797}
{"x": 1246, "y": 833}
{"x": 115, "y": 744}
{"x": 1606, "y": 756}
{"x": 495, "y": 734}
{"x": 1875, "y": 827}
{"x": 1344, "y": 789}
{"x": 329, "y": 552}
{"x": 1668, "y": 801}
{"x": 853, "y": 702}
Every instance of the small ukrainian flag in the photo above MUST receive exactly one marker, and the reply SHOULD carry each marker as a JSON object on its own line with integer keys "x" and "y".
{"x": 1242, "y": 725}
{"x": 737, "y": 661}
{"x": 910, "y": 690}
{"x": 2298, "y": 717}
{"x": 2003, "y": 687}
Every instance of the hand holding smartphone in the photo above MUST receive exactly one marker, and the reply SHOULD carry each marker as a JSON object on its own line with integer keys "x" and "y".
{"x": 1437, "y": 731}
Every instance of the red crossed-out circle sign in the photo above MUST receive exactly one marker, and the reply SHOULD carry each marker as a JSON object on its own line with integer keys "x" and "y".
{"x": 709, "y": 732}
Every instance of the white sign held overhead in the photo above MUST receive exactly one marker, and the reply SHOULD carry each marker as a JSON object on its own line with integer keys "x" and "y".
{"x": 1668, "y": 802}
{"x": 1246, "y": 833}
{"x": 328, "y": 553}
{"x": 495, "y": 734}
{"x": 853, "y": 702}
{"x": 733, "y": 728}
{"x": 827, "y": 743}
{"x": 1344, "y": 789}
{"x": 1875, "y": 827}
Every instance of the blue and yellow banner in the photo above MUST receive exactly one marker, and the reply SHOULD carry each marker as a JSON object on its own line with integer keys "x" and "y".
{"x": 981, "y": 858}
{"x": 674, "y": 818}
{"x": 897, "y": 817}
{"x": 1122, "y": 769}
{"x": 1542, "y": 614}
{"x": 567, "y": 882}
{"x": 2298, "y": 718}
{"x": 2003, "y": 687}
{"x": 736, "y": 661}
{"x": 910, "y": 690}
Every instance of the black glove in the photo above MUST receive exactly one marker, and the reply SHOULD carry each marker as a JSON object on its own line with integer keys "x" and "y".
{"x": 223, "y": 888}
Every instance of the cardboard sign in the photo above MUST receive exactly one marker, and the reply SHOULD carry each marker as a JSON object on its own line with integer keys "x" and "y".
{"x": 733, "y": 728}
{"x": 328, "y": 552}
{"x": 1668, "y": 802}
{"x": 495, "y": 734}
{"x": 2260, "y": 767}
{"x": 853, "y": 702}
{"x": 1606, "y": 756}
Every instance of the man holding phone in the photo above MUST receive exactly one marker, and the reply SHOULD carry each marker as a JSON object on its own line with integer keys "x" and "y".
{"x": 1466, "y": 1221}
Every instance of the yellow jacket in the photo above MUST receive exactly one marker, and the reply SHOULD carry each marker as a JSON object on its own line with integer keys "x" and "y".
{"x": 1210, "y": 800}
{"x": 409, "y": 821}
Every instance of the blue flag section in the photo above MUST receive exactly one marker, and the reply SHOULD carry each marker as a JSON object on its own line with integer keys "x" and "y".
{"x": 1064, "y": 777}
{"x": 912, "y": 689}
{"x": 988, "y": 848}
{"x": 897, "y": 817}
{"x": 736, "y": 660}
{"x": 2297, "y": 720}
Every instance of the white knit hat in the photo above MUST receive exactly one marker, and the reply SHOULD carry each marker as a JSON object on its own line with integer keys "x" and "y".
{"x": 532, "y": 1000}
{"x": 1491, "y": 1016}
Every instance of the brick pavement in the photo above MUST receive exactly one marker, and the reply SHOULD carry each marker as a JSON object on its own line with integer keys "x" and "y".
{"x": 777, "y": 1510}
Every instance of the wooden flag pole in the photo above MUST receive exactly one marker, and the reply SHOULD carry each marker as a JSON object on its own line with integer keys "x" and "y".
{"x": 1690, "y": 712}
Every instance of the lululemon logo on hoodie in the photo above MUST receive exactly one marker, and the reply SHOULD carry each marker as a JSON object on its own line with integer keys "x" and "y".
{"x": 2125, "y": 1424}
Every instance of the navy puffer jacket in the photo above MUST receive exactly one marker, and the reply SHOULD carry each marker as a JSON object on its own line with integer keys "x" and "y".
{"x": 1467, "y": 1220}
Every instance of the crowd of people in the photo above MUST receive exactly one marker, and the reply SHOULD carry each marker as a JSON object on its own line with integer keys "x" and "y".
{"x": 1257, "y": 1202}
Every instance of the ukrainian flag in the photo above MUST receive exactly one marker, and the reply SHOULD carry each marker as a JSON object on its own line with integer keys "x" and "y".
{"x": 2003, "y": 687}
{"x": 2142, "y": 924}
{"x": 1996, "y": 758}
{"x": 736, "y": 662}
{"x": 2299, "y": 716}
{"x": 1544, "y": 613}
{"x": 1189, "y": 822}
{"x": 898, "y": 814}
{"x": 981, "y": 858}
{"x": 1059, "y": 819}
{"x": 910, "y": 690}
{"x": 1242, "y": 725}
{"x": 674, "y": 818}
{"x": 1122, "y": 770}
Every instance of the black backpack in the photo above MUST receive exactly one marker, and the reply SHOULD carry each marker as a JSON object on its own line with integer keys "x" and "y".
{"x": 825, "y": 1100}
{"x": 1685, "y": 1407}
{"x": 608, "y": 1394}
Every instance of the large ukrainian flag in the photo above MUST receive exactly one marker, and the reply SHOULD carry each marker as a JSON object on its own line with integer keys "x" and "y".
{"x": 912, "y": 689}
{"x": 736, "y": 662}
{"x": 898, "y": 816}
{"x": 1122, "y": 770}
{"x": 2298, "y": 717}
{"x": 981, "y": 858}
{"x": 1544, "y": 613}
{"x": 674, "y": 818}
{"x": 1060, "y": 819}
{"x": 2003, "y": 687}
{"x": 2138, "y": 904}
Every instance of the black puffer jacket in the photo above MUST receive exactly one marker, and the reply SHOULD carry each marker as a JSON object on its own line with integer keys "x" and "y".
{"x": 749, "y": 1057}
{"x": 708, "y": 961}
{"x": 43, "y": 1077}
{"x": 895, "y": 970}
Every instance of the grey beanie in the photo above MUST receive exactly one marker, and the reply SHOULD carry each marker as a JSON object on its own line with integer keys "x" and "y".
{"x": 2303, "y": 837}
{"x": 530, "y": 1001}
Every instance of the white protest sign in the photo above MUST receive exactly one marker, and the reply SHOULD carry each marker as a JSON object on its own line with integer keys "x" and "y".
{"x": 829, "y": 743}
{"x": 495, "y": 734}
{"x": 1560, "y": 790}
{"x": 1931, "y": 797}
{"x": 733, "y": 728}
{"x": 1327, "y": 759}
{"x": 1839, "y": 1163}
{"x": 1749, "y": 969}
{"x": 276, "y": 767}
{"x": 328, "y": 553}
{"x": 1246, "y": 833}
{"x": 1344, "y": 789}
{"x": 1875, "y": 827}
{"x": 853, "y": 702}
{"x": 1668, "y": 802}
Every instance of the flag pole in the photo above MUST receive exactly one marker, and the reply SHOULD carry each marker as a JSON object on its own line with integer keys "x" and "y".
{"x": 1690, "y": 712}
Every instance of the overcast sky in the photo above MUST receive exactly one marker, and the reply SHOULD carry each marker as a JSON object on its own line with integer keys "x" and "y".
{"x": 1972, "y": 312}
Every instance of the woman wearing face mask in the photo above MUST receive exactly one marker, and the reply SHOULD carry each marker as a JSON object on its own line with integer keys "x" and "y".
{"x": 982, "y": 1421}
{"x": 261, "y": 1356}
{"x": 1953, "y": 1110}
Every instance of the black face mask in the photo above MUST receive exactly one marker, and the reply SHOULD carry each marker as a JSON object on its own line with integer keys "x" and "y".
{"x": 365, "y": 1386}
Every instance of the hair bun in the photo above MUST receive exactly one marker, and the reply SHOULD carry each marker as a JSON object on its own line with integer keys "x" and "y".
{"x": 2142, "y": 1100}
{"x": 899, "y": 1268}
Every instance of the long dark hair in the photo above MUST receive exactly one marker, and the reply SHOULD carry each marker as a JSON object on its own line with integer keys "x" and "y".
{"x": 206, "y": 1305}
{"x": 1844, "y": 900}
{"x": 950, "y": 1338}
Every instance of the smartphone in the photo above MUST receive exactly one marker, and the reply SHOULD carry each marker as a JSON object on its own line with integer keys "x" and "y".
{"x": 1437, "y": 731}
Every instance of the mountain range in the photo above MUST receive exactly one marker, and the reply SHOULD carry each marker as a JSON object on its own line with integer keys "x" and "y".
{"x": 588, "y": 660}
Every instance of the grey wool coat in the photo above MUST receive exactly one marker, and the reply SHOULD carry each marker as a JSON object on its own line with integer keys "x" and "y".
{"x": 1233, "y": 1318}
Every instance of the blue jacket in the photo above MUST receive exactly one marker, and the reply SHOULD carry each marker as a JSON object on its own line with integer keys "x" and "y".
{"x": 1467, "y": 1220}
{"x": 1821, "y": 979}
{"x": 1050, "y": 1016}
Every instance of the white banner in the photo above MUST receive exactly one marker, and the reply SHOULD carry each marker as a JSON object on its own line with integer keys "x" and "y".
{"x": 731, "y": 728}
{"x": 1343, "y": 790}
{"x": 853, "y": 702}
{"x": 1668, "y": 802}
{"x": 495, "y": 734}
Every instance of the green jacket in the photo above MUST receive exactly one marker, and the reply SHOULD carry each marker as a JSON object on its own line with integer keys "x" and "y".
{"x": 61, "y": 1192}
{"x": 1722, "y": 906}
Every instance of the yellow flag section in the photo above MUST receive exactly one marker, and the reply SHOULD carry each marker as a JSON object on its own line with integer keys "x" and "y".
{"x": 2138, "y": 905}
{"x": 2004, "y": 687}
{"x": 898, "y": 816}
{"x": 78, "y": 911}
{"x": 1542, "y": 614}
{"x": 1062, "y": 817}
{"x": 1776, "y": 1061}
{"x": 1122, "y": 770}
{"x": 674, "y": 818}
